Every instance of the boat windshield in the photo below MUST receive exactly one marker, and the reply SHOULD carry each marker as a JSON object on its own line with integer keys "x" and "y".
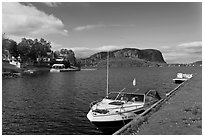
{"x": 112, "y": 95}
{"x": 126, "y": 97}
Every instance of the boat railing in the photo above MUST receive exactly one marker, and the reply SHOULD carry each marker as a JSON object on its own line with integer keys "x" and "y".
{"x": 93, "y": 103}
{"x": 120, "y": 93}
{"x": 123, "y": 107}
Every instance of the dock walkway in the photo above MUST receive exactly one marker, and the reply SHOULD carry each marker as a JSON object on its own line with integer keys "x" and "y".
{"x": 180, "y": 115}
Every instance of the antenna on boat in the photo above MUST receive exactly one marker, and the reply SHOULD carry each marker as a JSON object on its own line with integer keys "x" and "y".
{"x": 107, "y": 73}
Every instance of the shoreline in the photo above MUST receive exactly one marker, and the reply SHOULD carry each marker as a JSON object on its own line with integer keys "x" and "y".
{"x": 179, "y": 115}
{"x": 11, "y": 71}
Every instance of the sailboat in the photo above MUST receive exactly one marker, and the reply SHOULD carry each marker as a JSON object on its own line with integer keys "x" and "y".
{"x": 119, "y": 108}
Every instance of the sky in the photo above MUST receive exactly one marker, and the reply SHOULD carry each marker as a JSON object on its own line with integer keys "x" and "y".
{"x": 88, "y": 27}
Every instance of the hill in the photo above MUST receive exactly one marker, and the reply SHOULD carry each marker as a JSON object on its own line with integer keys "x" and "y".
{"x": 197, "y": 63}
{"x": 125, "y": 57}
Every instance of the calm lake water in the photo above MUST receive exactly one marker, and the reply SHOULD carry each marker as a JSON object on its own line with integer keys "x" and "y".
{"x": 57, "y": 103}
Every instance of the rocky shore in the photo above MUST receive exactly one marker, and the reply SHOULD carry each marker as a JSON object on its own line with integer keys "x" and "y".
{"x": 180, "y": 115}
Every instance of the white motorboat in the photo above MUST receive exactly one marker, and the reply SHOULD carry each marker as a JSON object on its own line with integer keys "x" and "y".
{"x": 119, "y": 108}
{"x": 61, "y": 68}
{"x": 181, "y": 77}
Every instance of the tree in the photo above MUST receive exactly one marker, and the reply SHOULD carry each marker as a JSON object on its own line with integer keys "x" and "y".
{"x": 42, "y": 48}
{"x": 24, "y": 48}
{"x": 13, "y": 49}
{"x": 32, "y": 49}
{"x": 68, "y": 56}
{"x": 56, "y": 54}
{"x": 66, "y": 63}
{"x": 9, "y": 47}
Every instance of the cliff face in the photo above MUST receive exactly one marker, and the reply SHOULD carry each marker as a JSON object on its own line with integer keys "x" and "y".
{"x": 126, "y": 57}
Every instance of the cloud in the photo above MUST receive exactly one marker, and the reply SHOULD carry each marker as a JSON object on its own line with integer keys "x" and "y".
{"x": 56, "y": 46}
{"x": 183, "y": 53}
{"x": 191, "y": 44}
{"x": 87, "y": 27}
{"x": 27, "y": 20}
{"x": 78, "y": 4}
{"x": 108, "y": 48}
{"x": 52, "y": 4}
{"x": 192, "y": 47}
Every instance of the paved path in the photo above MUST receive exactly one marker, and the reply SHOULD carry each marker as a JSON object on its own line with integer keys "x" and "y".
{"x": 180, "y": 115}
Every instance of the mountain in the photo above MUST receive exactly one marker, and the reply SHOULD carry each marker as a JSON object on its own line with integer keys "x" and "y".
{"x": 126, "y": 57}
{"x": 197, "y": 63}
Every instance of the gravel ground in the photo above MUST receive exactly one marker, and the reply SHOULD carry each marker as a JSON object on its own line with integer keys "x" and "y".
{"x": 180, "y": 115}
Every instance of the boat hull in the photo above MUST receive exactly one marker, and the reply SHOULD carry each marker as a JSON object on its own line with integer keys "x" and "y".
{"x": 109, "y": 124}
{"x": 54, "y": 70}
{"x": 179, "y": 81}
{"x": 63, "y": 70}
{"x": 109, "y": 127}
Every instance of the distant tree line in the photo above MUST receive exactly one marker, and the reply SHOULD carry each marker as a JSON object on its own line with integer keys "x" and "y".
{"x": 35, "y": 50}
{"x": 27, "y": 49}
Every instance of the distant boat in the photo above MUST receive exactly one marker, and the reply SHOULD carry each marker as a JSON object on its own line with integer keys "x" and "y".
{"x": 29, "y": 71}
{"x": 89, "y": 69}
{"x": 181, "y": 77}
{"x": 119, "y": 108}
{"x": 61, "y": 68}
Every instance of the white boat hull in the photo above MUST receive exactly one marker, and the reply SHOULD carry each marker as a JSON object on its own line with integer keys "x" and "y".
{"x": 62, "y": 70}
{"x": 112, "y": 122}
{"x": 54, "y": 70}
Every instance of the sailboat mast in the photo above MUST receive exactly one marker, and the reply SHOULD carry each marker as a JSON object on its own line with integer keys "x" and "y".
{"x": 107, "y": 73}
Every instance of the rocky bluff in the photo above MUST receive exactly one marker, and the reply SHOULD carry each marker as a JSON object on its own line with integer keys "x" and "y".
{"x": 126, "y": 57}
